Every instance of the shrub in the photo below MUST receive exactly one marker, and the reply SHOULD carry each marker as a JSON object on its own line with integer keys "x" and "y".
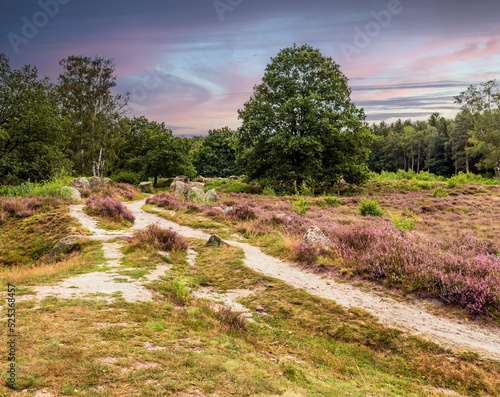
{"x": 305, "y": 254}
{"x": 109, "y": 208}
{"x": 269, "y": 191}
{"x": 181, "y": 290}
{"x": 161, "y": 238}
{"x": 332, "y": 201}
{"x": 24, "y": 207}
{"x": 233, "y": 321}
{"x": 130, "y": 177}
{"x": 370, "y": 207}
{"x": 440, "y": 192}
{"x": 300, "y": 206}
{"x": 407, "y": 221}
{"x": 167, "y": 200}
{"x": 243, "y": 212}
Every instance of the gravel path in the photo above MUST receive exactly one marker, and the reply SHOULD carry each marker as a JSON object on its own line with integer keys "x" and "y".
{"x": 412, "y": 318}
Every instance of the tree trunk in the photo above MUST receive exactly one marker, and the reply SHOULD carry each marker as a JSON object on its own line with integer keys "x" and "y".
{"x": 467, "y": 159}
{"x": 156, "y": 181}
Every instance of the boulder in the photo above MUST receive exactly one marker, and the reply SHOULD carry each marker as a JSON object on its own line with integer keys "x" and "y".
{"x": 144, "y": 186}
{"x": 314, "y": 237}
{"x": 62, "y": 246}
{"x": 95, "y": 181}
{"x": 234, "y": 177}
{"x": 211, "y": 196}
{"x": 215, "y": 241}
{"x": 106, "y": 181}
{"x": 81, "y": 184}
{"x": 74, "y": 194}
{"x": 201, "y": 179}
{"x": 226, "y": 210}
{"x": 178, "y": 188}
{"x": 196, "y": 191}
{"x": 181, "y": 178}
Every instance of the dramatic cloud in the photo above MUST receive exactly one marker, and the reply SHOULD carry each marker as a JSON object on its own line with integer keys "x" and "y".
{"x": 193, "y": 65}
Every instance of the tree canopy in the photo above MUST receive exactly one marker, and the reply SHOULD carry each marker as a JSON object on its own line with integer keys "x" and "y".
{"x": 31, "y": 127}
{"x": 300, "y": 125}
{"x": 216, "y": 155}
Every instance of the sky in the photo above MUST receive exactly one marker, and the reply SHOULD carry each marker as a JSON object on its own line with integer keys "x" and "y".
{"x": 193, "y": 63}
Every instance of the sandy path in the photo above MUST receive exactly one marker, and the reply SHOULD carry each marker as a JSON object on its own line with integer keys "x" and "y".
{"x": 411, "y": 318}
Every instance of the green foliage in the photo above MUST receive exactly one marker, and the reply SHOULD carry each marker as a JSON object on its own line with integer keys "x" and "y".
{"x": 130, "y": 177}
{"x": 300, "y": 125}
{"x": 216, "y": 155}
{"x": 300, "y": 205}
{"x": 180, "y": 289}
{"x": 268, "y": 191}
{"x": 440, "y": 192}
{"x": 51, "y": 188}
{"x": 407, "y": 221}
{"x": 151, "y": 150}
{"x": 32, "y": 138}
{"x": 332, "y": 201}
{"x": 93, "y": 112}
{"x": 370, "y": 207}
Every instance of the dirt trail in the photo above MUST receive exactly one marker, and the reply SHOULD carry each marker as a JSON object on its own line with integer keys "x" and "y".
{"x": 412, "y": 318}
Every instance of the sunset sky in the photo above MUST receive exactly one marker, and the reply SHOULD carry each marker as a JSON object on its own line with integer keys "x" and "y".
{"x": 193, "y": 63}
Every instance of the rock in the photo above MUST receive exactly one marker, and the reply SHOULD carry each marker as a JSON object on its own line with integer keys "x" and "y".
{"x": 196, "y": 191}
{"x": 226, "y": 210}
{"x": 215, "y": 241}
{"x": 62, "y": 246}
{"x": 243, "y": 176}
{"x": 181, "y": 178}
{"x": 144, "y": 186}
{"x": 283, "y": 217}
{"x": 201, "y": 179}
{"x": 81, "y": 184}
{"x": 314, "y": 237}
{"x": 234, "y": 177}
{"x": 165, "y": 255}
{"x": 178, "y": 188}
{"x": 259, "y": 309}
{"x": 74, "y": 194}
{"x": 95, "y": 181}
{"x": 211, "y": 196}
{"x": 106, "y": 181}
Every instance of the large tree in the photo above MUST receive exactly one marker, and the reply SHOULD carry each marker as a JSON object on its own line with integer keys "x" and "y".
{"x": 95, "y": 113}
{"x": 216, "y": 155}
{"x": 151, "y": 150}
{"x": 300, "y": 125}
{"x": 481, "y": 111}
{"x": 32, "y": 135}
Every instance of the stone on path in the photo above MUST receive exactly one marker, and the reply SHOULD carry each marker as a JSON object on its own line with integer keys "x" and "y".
{"x": 215, "y": 241}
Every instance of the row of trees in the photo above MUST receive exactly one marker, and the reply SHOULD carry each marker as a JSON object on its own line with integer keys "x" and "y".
{"x": 299, "y": 126}
{"x": 468, "y": 143}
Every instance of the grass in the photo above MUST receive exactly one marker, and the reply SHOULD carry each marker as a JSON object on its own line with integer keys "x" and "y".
{"x": 298, "y": 345}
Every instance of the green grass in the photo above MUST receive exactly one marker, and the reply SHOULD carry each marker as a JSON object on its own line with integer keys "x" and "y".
{"x": 52, "y": 188}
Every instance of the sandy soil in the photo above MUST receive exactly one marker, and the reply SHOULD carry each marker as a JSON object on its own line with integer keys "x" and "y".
{"x": 412, "y": 318}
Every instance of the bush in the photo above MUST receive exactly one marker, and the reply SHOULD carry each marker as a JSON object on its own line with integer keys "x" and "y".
{"x": 332, "y": 201}
{"x": 161, "y": 239}
{"x": 407, "y": 221}
{"x": 440, "y": 192}
{"x": 370, "y": 207}
{"x": 243, "y": 212}
{"x": 300, "y": 206}
{"x": 181, "y": 290}
{"x": 167, "y": 200}
{"x": 130, "y": 177}
{"x": 268, "y": 191}
{"x": 109, "y": 208}
{"x": 16, "y": 207}
{"x": 52, "y": 188}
